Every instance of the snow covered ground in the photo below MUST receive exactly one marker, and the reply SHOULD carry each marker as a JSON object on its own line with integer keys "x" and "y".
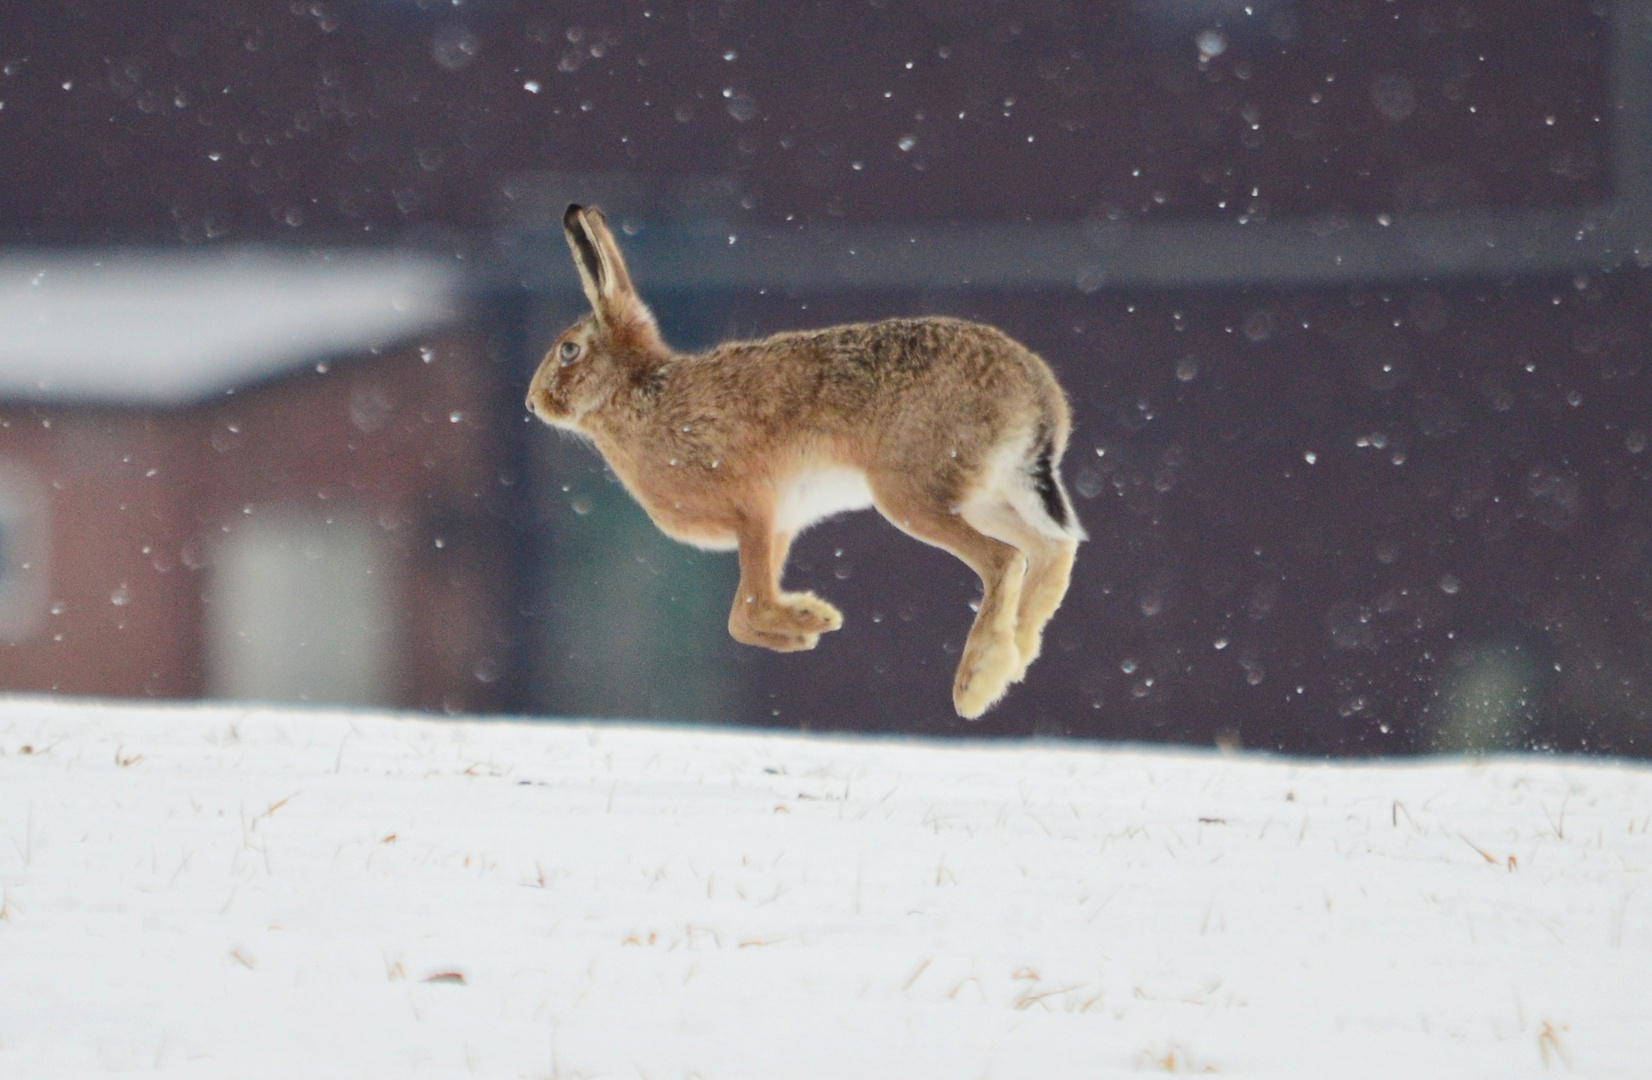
{"x": 225, "y": 892}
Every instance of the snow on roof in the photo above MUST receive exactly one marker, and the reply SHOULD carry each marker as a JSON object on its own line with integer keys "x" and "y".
{"x": 225, "y": 890}
{"x": 173, "y": 327}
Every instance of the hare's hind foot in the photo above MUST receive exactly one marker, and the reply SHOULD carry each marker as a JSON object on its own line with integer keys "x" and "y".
{"x": 992, "y": 656}
{"x": 985, "y": 672}
{"x": 791, "y": 622}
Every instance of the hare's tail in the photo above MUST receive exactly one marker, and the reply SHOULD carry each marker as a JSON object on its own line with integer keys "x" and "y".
{"x": 1037, "y": 492}
{"x": 1054, "y": 507}
{"x": 1024, "y": 478}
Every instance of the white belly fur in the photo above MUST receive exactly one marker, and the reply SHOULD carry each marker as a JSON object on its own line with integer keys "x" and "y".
{"x": 817, "y": 494}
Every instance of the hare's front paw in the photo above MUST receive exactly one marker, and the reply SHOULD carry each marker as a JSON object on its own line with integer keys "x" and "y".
{"x": 807, "y": 613}
{"x": 792, "y": 624}
{"x": 768, "y": 639}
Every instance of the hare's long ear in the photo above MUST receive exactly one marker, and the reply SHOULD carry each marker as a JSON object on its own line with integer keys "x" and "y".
{"x": 601, "y": 268}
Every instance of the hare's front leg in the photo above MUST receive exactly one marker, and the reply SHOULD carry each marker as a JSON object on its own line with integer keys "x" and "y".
{"x": 762, "y": 614}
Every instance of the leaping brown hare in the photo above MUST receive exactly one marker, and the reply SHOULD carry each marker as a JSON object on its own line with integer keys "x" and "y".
{"x": 951, "y": 429}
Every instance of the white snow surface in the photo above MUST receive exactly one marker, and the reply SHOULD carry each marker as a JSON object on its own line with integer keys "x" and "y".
{"x": 199, "y": 891}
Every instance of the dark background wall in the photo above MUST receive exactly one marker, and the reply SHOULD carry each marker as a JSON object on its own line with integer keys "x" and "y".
{"x": 296, "y": 121}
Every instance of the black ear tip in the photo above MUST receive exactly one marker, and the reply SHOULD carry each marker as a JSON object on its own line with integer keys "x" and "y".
{"x": 570, "y": 216}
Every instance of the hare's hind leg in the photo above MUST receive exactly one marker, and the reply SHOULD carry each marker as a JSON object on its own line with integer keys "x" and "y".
{"x": 1049, "y": 571}
{"x": 762, "y": 614}
{"x": 990, "y": 657}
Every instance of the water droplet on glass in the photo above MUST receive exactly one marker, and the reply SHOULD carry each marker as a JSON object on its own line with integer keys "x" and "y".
{"x": 1353, "y": 706}
{"x": 742, "y": 107}
{"x": 455, "y": 47}
{"x": 1350, "y": 625}
{"x": 581, "y": 505}
{"x": 1128, "y": 666}
{"x": 907, "y": 142}
{"x": 1635, "y": 441}
{"x": 1187, "y": 369}
{"x": 121, "y": 596}
{"x": 1211, "y": 43}
{"x": 1259, "y": 326}
{"x": 1394, "y": 96}
{"x": 1219, "y": 644}
{"x": 1449, "y": 584}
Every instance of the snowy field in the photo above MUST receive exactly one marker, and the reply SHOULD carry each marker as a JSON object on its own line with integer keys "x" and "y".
{"x": 228, "y": 893}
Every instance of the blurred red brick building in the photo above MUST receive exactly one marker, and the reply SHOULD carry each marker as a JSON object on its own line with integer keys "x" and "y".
{"x": 290, "y": 507}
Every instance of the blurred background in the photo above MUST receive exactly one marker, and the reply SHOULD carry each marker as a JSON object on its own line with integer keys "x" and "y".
{"x": 1351, "y": 297}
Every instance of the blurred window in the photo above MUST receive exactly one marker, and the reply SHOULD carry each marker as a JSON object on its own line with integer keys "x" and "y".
{"x": 299, "y": 611}
{"x": 24, "y": 552}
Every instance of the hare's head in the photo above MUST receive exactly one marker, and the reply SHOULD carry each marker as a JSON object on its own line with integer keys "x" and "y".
{"x": 593, "y": 358}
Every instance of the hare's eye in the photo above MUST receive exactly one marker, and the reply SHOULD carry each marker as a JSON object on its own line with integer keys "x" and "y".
{"x": 569, "y": 350}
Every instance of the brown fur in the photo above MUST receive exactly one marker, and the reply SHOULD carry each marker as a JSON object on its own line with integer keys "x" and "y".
{"x": 936, "y": 422}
